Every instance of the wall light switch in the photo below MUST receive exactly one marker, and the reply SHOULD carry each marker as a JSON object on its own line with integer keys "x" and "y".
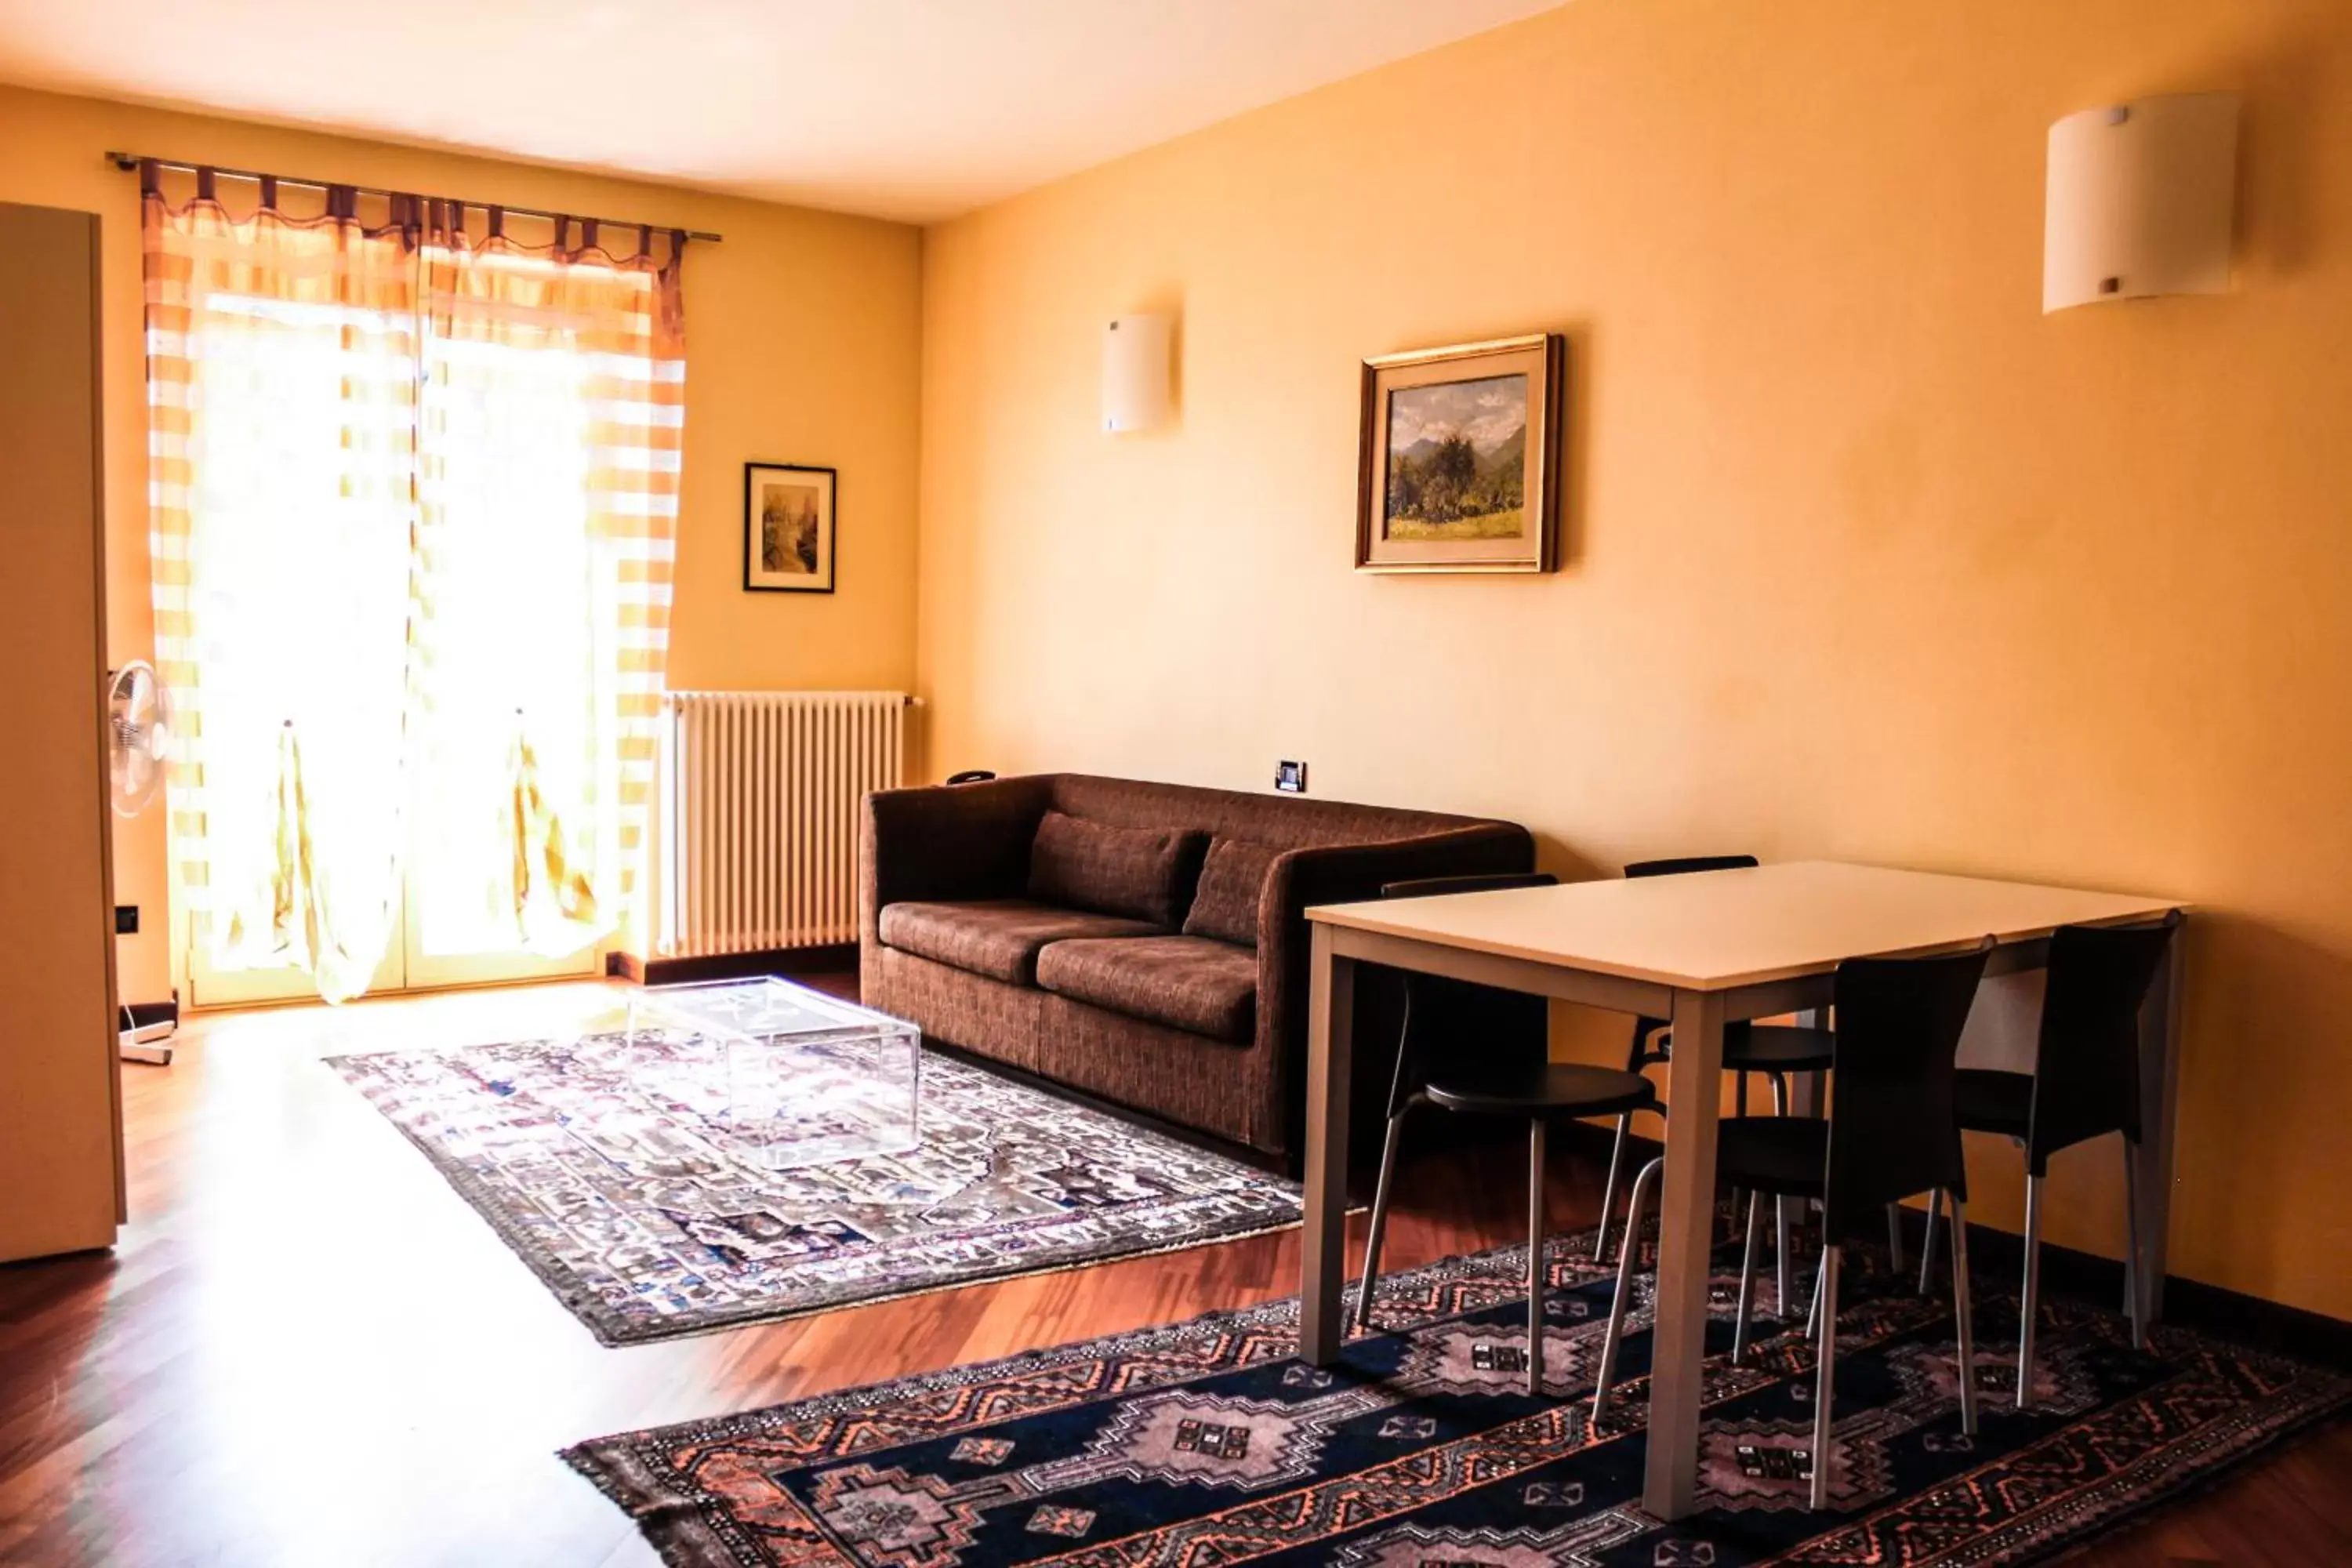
{"x": 1290, "y": 777}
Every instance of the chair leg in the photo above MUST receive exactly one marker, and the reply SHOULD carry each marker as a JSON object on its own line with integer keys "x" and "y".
{"x": 1740, "y": 1085}
{"x": 1820, "y": 1276}
{"x": 1535, "y": 1254}
{"x": 2132, "y": 1294}
{"x": 1927, "y": 1246}
{"x": 1380, "y": 1225}
{"x": 1894, "y": 1237}
{"x": 1824, "y": 1374}
{"x": 1783, "y": 1259}
{"x": 1609, "y": 1188}
{"x": 1617, "y": 1305}
{"x": 2032, "y": 1301}
{"x": 1964, "y": 1317}
{"x": 1746, "y": 1280}
{"x": 1783, "y": 1254}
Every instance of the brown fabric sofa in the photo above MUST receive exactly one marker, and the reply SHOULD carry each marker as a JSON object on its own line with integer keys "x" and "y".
{"x": 1197, "y": 1028}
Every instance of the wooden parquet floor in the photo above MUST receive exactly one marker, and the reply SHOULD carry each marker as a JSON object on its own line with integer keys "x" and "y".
{"x": 308, "y": 1350}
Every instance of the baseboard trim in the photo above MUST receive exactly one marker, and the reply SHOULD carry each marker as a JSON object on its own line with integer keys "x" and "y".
{"x": 2214, "y": 1309}
{"x": 2225, "y": 1315}
{"x": 832, "y": 958}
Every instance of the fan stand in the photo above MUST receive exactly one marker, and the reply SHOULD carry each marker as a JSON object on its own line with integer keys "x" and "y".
{"x": 146, "y": 1043}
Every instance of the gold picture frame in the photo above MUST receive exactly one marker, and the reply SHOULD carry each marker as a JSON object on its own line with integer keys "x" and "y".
{"x": 1459, "y": 470}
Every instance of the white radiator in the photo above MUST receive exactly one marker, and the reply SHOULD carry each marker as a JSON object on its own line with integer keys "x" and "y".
{"x": 759, "y": 797}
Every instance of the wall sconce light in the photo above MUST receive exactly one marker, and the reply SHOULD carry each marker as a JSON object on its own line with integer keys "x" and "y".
{"x": 2139, "y": 200}
{"x": 1135, "y": 380}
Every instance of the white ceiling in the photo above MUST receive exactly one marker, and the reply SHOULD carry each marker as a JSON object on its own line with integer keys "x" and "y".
{"x": 903, "y": 109}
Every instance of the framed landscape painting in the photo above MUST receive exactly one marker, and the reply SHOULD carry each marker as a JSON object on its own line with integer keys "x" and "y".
{"x": 1461, "y": 458}
{"x": 788, "y": 528}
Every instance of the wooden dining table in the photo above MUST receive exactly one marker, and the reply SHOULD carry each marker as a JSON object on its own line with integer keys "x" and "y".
{"x": 1704, "y": 949}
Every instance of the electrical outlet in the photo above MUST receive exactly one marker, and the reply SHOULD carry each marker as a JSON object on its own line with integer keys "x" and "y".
{"x": 1290, "y": 777}
{"x": 126, "y": 920}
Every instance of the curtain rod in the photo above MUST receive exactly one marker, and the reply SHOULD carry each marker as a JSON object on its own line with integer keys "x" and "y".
{"x": 129, "y": 163}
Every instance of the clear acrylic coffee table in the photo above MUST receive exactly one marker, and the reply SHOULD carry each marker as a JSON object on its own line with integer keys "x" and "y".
{"x": 810, "y": 1077}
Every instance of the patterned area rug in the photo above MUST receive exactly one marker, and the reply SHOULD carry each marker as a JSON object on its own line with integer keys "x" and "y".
{"x": 1208, "y": 1443}
{"x": 607, "y": 1164}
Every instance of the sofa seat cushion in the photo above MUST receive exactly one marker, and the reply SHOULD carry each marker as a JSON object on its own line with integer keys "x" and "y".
{"x": 1186, "y": 981}
{"x": 1000, "y": 938}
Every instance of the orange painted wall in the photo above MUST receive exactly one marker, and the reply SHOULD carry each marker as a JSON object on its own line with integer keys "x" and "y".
{"x": 1866, "y": 558}
{"x": 802, "y": 346}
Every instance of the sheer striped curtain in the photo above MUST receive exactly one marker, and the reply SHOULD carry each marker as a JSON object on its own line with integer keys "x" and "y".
{"x": 552, "y": 413}
{"x": 414, "y": 500}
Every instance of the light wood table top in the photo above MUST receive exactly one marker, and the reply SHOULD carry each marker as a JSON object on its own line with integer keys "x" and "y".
{"x": 1715, "y": 931}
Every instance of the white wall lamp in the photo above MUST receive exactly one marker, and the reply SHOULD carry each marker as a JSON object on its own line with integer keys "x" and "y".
{"x": 1135, "y": 373}
{"x": 2139, "y": 200}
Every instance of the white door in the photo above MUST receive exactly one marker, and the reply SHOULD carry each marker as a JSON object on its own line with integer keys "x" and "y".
{"x": 416, "y": 665}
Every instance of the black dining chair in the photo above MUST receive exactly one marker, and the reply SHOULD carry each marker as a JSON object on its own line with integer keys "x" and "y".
{"x": 1480, "y": 1051}
{"x": 1777, "y": 1052}
{"x": 2085, "y": 1084}
{"x": 1893, "y": 1132}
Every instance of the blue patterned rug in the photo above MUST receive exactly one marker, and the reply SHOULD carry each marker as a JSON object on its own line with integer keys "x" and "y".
{"x": 607, "y": 1164}
{"x": 1207, "y": 1443}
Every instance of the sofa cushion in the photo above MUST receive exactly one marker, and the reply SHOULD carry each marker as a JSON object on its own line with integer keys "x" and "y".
{"x": 1187, "y": 982}
{"x": 1224, "y": 906}
{"x": 1144, "y": 873}
{"x": 997, "y": 937}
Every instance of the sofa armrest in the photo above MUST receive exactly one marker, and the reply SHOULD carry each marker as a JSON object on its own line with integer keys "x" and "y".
{"x": 1345, "y": 873}
{"x": 949, "y": 841}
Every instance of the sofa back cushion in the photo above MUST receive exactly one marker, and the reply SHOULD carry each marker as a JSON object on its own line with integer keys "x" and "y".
{"x": 1144, "y": 873}
{"x": 1225, "y": 905}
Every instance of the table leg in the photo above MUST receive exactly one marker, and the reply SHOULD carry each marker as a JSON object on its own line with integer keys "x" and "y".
{"x": 1686, "y": 1242}
{"x": 1806, "y": 1097}
{"x": 2159, "y": 1094}
{"x": 1330, "y": 1006}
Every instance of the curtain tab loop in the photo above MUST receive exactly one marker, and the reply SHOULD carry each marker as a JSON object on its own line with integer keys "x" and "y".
{"x": 562, "y": 233}
{"x": 207, "y": 189}
{"x": 498, "y": 223}
{"x": 151, "y": 178}
{"x": 587, "y": 234}
{"x": 644, "y": 242}
{"x": 270, "y": 192}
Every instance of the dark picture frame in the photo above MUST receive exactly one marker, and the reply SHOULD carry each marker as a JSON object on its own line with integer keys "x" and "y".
{"x": 1476, "y": 487}
{"x": 789, "y": 516}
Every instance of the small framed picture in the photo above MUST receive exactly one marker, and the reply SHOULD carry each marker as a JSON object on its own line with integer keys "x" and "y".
{"x": 788, "y": 528}
{"x": 1460, "y": 458}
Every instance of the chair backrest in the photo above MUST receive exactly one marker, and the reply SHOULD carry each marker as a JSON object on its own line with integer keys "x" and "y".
{"x": 1691, "y": 863}
{"x": 1644, "y": 1027}
{"x": 1493, "y": 882}
{"x": 1498, "y": 1024}
{"x": 2087, "y": 1061}
{"x": 1894, "y": 1124}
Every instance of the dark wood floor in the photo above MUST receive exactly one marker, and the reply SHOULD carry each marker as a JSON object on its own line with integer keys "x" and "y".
{"x": 308, "y": 1350}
